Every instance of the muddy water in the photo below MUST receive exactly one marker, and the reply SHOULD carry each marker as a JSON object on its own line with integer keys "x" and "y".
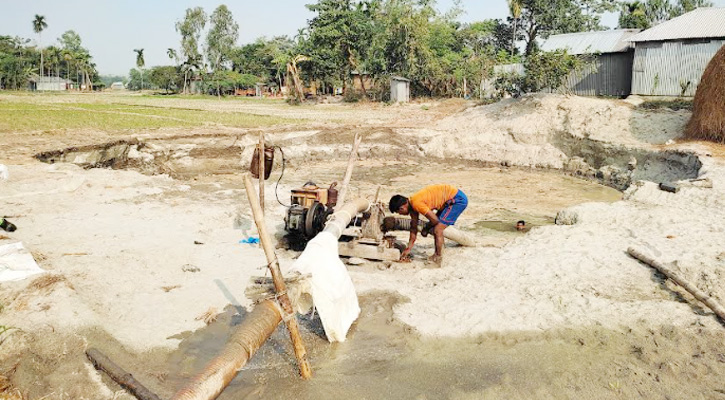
{"x": 498, "y": 197}
{"x": 383, "y": 359}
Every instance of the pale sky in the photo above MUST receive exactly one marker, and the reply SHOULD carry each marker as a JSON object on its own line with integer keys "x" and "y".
{"x": 112, "y": 29}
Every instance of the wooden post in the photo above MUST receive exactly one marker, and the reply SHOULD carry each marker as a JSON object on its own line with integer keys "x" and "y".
{"x": 119, "y": 375}
{"x": 694, "y": 291}
{"x": 278, "y": 280}
{"x": 348, "y": 172}
{"x": 261, "y": 158}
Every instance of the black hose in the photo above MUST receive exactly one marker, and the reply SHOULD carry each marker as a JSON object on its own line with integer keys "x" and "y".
{"x": 280, "y": 178}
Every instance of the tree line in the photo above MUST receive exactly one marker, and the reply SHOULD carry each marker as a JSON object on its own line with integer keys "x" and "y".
{"x": 349, "y": 45}
{"x": 22, "y": 62}
{"x": 358, "y": 45}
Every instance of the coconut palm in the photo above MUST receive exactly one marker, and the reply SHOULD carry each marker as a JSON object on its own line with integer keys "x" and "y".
{"x": 172, "y": 55}
{"x": 140, "y": 62}
{"x": 515, "y": 9}
{"x": 39, "y": 25}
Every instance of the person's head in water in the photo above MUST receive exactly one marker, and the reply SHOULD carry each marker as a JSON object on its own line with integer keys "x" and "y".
{"x": 521, "y": 225}
{"x": 399, "y": 204}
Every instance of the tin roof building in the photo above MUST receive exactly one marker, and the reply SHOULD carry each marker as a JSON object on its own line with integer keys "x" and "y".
{"x": 669, "y": 59}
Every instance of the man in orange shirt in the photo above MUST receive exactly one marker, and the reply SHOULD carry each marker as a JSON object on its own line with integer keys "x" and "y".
{"x": 446, "y": 200}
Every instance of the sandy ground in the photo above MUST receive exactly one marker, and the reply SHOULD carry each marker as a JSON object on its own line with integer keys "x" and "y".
{"x": 134, "y": 259}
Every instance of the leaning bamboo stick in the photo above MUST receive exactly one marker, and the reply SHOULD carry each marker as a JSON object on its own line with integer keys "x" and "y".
{"x": 348, "y": 171}
{"x": 261, "y": 160}
{"x": 279, "y": 285}
{"x": 697, "y": 293}
{"x": 119, "y": 375}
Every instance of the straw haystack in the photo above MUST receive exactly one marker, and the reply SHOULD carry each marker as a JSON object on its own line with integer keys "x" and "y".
{"x": 708, "y": 112}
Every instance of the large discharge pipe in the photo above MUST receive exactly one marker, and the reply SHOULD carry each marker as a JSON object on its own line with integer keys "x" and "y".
{"x": 247, "y": 338}
{"x": 450, "y": 233}
{"x": 341, "y": 218}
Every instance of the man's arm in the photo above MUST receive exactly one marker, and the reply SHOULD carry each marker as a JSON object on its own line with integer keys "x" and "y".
{"x": 432, "y": 218}
{"x": 413, "y": 235}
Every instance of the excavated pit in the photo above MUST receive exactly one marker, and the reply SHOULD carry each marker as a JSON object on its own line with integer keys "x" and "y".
{"x": 184, "y": 157}
{"x": 619, "y": 166}
{"x": 385, "y": 160}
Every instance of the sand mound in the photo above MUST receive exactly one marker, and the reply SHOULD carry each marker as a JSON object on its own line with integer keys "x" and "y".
{"x": 708, "y": 113}
{"x": 530, "y": 131}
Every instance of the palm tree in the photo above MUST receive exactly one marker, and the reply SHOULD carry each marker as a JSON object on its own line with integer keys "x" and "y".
{"x": 515, "y": 9}
{"x": 140, "y": 63}
{"x": 68, "y": 57}
{"x": 38, "y": 25}
{"x": 172, "y": 55}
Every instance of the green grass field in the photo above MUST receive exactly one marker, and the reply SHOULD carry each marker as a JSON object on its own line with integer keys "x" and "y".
{"x": 37, "y": 113}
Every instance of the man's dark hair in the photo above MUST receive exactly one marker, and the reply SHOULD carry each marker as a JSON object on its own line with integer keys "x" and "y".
{"x": 522, "y": 222}
{"x": 397, "y": 201}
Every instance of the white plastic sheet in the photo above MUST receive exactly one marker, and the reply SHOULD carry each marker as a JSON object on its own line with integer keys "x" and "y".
{"x": 332, "y": 290}
{"x": 16, "y": 263}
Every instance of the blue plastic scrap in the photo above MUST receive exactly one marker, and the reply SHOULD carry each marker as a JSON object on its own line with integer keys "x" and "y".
{"x": 250, "y": 240}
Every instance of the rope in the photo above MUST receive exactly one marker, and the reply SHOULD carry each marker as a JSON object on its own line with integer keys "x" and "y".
{"x": 286, "y": 317}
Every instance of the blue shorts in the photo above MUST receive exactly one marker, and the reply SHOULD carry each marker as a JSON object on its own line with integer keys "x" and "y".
{"x": 453, "y": 209}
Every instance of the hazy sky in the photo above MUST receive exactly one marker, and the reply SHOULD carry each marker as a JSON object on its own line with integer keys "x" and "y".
{"x": 112, "y": 29}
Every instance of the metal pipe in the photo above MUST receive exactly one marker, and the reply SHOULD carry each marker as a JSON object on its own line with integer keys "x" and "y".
{"x": 451, "y": 233}
{"x": 341, "y": 218}
{"x": 247, "y": 338}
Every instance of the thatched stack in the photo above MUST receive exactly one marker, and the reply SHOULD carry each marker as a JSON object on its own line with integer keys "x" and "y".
{"x": 708, "y": 111}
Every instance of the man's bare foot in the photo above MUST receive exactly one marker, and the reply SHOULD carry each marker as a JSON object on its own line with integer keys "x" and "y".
{"x": 436, "y": 259}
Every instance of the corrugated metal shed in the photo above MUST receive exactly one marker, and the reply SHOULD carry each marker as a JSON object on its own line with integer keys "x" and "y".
{"x": 399, "y": 89}
{"x": 706, "y": 22}
{"x": 614, "y": 41}
{"x": 671, "y": 68}
{"x": 609, "y": 75}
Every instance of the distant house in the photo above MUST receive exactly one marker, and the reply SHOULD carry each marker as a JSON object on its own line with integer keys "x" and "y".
{"x": 363, "y": 77}
{"x": 669, "y": 59}
{"x": 49, "y": 83}
{"x": 117, "y": 86}
{"x": 610, "y": 73}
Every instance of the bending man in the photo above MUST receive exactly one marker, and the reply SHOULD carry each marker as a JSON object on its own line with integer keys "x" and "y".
{"x": 446, "y": 200}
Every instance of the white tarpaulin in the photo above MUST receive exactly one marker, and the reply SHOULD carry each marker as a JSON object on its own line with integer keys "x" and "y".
{"x": 16, "y": 263}
{"x": 332, "y": 290}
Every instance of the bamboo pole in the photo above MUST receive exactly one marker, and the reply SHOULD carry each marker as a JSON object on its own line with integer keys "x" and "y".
{"x": 119, "y": 375}
{"x": 692, "y": 289}
{"x": 247, "y": 338}
{"x": 260, "y": 170}
{"x": 279, "y": 284}
{"x": 348, "y": 172}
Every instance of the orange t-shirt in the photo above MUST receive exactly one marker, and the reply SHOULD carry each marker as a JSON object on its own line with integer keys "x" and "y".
{"x": 432, "y": 197}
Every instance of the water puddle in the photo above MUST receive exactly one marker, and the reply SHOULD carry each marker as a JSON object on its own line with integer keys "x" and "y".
{"x": 381, "y": 358}
{"x": 384, "y": 359}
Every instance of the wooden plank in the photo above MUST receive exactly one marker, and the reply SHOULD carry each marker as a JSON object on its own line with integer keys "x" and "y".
{"x": 370, "y": 252}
